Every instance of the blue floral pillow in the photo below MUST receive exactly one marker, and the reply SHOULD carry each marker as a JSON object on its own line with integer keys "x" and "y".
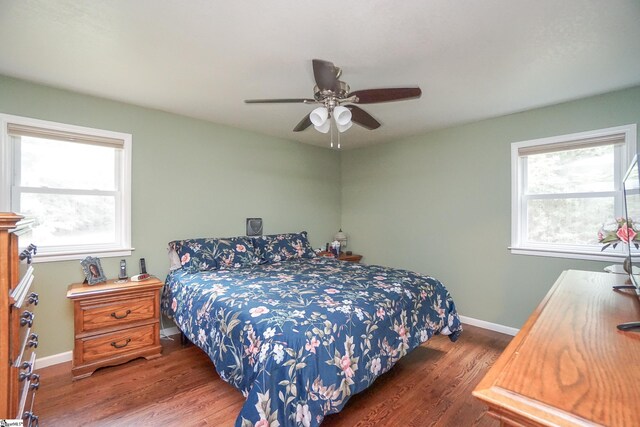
{"x": 213, "y": 254}
{"x": 236, "y": 252}
{"x": 196, "y": 254}
{"x": 284, "y": 247}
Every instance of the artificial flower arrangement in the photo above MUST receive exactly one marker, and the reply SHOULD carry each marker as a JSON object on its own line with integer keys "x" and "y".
{"x": 618, "y": 231}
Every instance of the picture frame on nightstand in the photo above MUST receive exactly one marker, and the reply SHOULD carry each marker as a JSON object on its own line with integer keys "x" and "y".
{"x": 92, "y": 270}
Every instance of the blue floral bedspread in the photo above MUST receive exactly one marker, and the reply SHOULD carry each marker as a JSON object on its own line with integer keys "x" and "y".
{"x": 299, "y": 338}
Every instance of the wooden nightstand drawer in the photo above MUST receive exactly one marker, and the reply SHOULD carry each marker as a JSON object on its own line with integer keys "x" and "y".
{"x": 105, "y": 346}
{"x": 114, "y": 312}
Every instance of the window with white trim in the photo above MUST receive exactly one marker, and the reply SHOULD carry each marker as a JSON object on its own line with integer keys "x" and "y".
{"x": 564, "y": 188}
{"x": 74, "y": 181}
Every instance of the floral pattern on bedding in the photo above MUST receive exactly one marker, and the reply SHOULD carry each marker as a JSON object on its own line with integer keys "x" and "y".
{"x": 284, "y": 247}
{"x": 207, "y": 254}
{"x": 299, "y": 338}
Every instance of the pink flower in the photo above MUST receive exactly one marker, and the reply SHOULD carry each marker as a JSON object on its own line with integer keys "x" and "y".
{"x": 345, "y": 365}
{"x": 262, "y": 423}
{"x": 331, "y": 291}
{"x": 185, "y": 258}
{"x": 312, "y": 345}
{"x": 258, "y": 311}
{"x": 174, "y": 304}
{"x": 241, "y": 248}
{"x": 380, "y": 313}
{"x": 402, "y": 331}
{"x": 625, "y": 233}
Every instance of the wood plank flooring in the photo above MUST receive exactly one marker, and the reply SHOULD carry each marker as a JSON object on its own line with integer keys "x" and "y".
{"x": 429, "y": 387}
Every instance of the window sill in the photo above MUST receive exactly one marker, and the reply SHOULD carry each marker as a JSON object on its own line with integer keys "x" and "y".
{"x": 556, "y": 253}
{"x": 76, "y": 255}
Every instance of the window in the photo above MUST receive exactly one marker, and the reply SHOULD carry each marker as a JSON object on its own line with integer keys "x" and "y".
{"x": 565, "y": 188}
{"x": 75, "y": 183}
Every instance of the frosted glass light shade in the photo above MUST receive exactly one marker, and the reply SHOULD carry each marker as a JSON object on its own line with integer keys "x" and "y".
{"x": 342, "y": 115}
{"x": 323, "y": 128}
{"x": 342, "y": 128}
{"x": 319, "y": 117}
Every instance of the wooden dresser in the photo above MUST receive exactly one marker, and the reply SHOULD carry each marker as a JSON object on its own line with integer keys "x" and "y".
{"x": 114, "y": 323}
{"x": 18, "y": 382}
{"x": 569, "y": 365}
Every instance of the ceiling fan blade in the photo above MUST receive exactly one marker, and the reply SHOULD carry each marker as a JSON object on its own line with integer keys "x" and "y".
{"x": 326, "y": 75}
{"x": 371, "y": 96}
{"x": 361, "y": 117}
{"x": 304, "y": 123}
{"x": 277, "y": 101}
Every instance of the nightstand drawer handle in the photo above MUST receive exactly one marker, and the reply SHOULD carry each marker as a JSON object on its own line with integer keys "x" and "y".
{"x": 115, "y": 316}
{"x": 113, "y": 344}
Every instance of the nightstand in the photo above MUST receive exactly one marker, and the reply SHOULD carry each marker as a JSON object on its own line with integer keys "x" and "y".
{"x": 114, "y": 323}
{"x": 351, "y": 258}
{"x": 343, "y": 256}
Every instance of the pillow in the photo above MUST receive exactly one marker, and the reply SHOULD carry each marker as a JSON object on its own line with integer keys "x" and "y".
{"x": 174, "y": 259}
{"x": 195, "y": 254}
{"x": 213, "y": 254}
{"x": 284, "y": 247}
{"x": 235, "y": 252}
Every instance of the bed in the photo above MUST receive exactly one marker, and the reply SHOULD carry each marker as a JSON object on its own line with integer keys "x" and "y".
{"x": 297, "y": 334}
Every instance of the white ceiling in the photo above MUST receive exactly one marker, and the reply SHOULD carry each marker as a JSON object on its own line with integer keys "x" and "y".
{"x": 202, "y": 58}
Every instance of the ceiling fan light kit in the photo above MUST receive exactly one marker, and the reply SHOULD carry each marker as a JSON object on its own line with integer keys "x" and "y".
{"x": 319, "y": 116}
{"x": 324, "y": 127}
{"x": 331, "y": 93}
{"x": 342, "y": 115}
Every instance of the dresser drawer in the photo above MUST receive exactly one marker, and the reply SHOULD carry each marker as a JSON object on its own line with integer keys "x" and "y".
{"x": 113, "y": 344}
{"x": 29, "y": 382}
{"x": 116, "y": 312}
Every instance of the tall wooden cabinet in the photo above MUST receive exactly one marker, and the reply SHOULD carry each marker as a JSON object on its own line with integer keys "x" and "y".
{"x": 18, "y": 382}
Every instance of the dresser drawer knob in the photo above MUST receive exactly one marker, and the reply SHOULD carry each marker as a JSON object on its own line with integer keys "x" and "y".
{"x": 35, "y": 382}
{"x": 33, "y": 341}
{"x": 26, "y": 319}
{"x": 28, "y": 253}
{"x": 114, "y": 344}
{"x": 115, "y": 316}
{"x": 31, "y": 418}
{"x": 33, "y": 298}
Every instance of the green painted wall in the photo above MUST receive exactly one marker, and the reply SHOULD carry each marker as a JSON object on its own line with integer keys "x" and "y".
{"x": 190, "y": 178}
{"x": 437, "y": 203}
{"x": 440, "y": 204}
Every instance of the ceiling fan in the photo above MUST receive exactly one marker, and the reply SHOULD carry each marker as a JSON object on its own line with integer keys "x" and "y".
{"x": 331, "y": 93}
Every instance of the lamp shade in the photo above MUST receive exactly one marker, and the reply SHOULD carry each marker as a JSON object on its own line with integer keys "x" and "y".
{"x": 342, "y": 128}
{"x": 323, "y": 128}
{"x": 342, "y": 238}
{"x": 342, "y": 115}
{"x": 319, "y": 117}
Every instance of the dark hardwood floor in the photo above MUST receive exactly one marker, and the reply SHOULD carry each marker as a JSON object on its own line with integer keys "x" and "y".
{"x": 429, "y": 387}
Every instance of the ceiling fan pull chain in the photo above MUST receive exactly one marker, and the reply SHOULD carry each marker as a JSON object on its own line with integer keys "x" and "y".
{"x": 331, "y": 131}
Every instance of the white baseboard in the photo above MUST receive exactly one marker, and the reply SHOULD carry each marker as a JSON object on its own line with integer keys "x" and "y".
{"x": 490, "y": 326}
{"x": 43, "y": 362}
{"x": 67, "y": 356}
